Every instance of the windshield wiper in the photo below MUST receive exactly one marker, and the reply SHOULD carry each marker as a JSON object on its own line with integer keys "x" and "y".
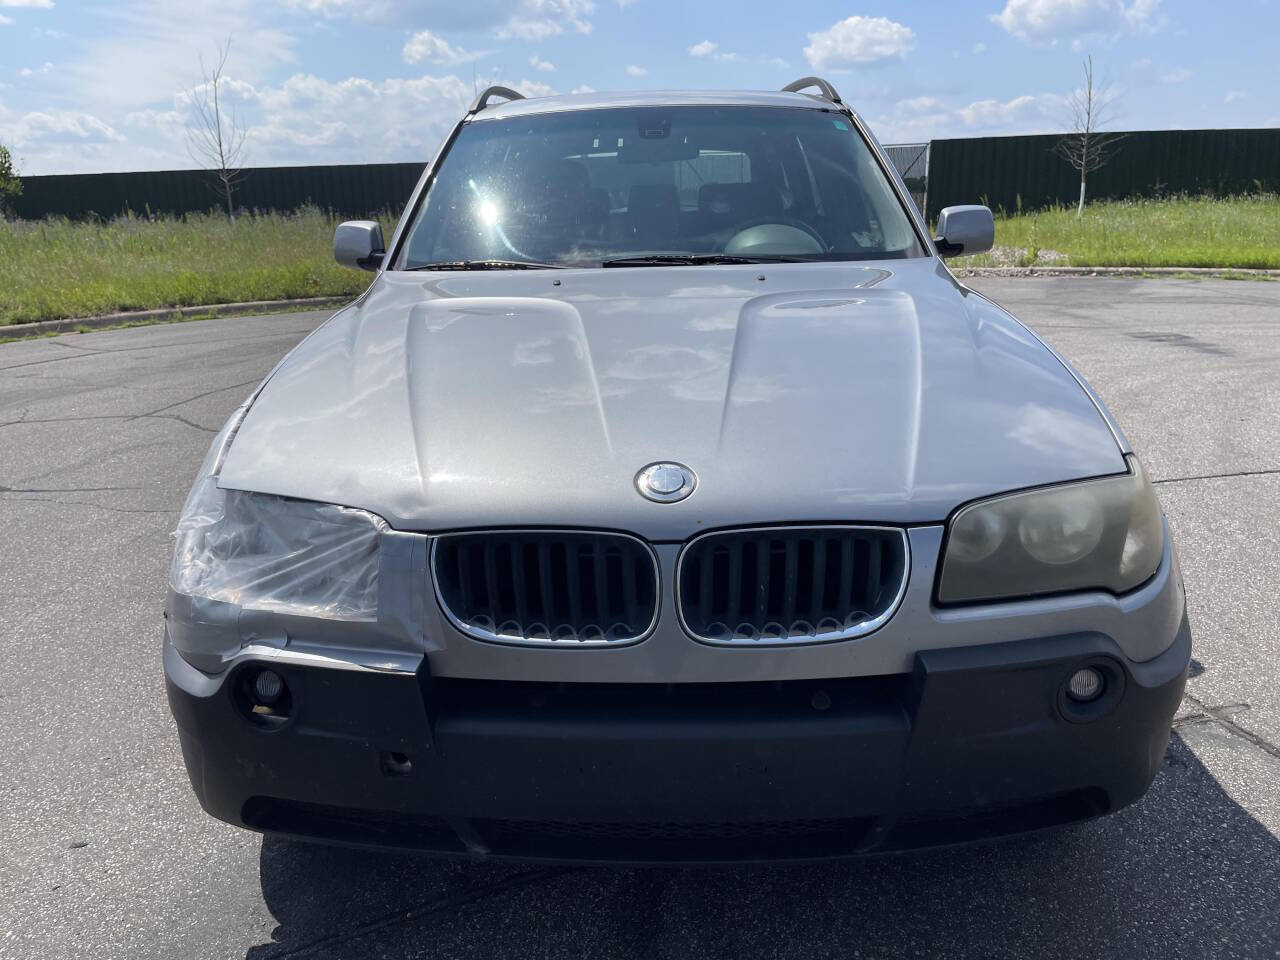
{"x": 487, "y": 265}
{"x": 692, "y": 259}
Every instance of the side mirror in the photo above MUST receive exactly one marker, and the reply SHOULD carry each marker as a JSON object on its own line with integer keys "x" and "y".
{"x": 965, "y": 230}
{"x": 358, "y": 243}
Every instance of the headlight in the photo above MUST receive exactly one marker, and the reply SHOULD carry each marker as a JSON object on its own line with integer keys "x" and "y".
{"x": 272, "y": 553}
{"x": 1096, "y": 535}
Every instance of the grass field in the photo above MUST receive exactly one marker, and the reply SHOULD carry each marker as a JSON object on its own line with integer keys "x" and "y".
{"x": 1177, "y": 232}
{"x": 56, "y": 269}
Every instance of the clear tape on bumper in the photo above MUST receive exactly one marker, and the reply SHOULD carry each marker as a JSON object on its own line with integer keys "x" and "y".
{"x": 272, "y": 553}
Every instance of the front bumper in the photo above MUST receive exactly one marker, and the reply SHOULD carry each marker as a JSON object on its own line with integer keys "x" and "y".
{"x": 973, "y": 742}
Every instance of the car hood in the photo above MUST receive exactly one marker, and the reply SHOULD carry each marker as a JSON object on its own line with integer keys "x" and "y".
{"x": 797, "y": 392}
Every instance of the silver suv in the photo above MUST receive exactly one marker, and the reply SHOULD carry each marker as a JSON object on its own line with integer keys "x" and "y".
{"x": 665, "y": 497}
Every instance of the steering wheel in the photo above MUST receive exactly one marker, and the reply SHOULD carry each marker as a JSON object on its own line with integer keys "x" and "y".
{"x": 764, "y": 239}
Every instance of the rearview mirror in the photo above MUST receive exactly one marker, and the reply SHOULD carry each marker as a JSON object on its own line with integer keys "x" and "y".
{"x": 657, "y": 150}
{"x": 965, "y": 231}
{"x": 358, "y": 243}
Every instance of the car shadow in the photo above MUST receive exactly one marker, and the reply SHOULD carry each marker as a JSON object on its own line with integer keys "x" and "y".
{"x": 1187, "y": 872}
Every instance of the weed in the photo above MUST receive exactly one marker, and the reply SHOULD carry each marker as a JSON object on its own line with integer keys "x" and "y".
{"x": 1179, "y": 231}
{"x": 56, "y": 269}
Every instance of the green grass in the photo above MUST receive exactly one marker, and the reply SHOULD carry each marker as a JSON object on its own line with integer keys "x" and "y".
{"x": 54, "y": 269}
{"x": 1239, "y": 232}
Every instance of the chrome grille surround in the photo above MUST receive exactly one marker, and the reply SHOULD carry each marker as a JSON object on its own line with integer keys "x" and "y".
{"x": 519, "y": 617}
{"x": 884, "y": 589}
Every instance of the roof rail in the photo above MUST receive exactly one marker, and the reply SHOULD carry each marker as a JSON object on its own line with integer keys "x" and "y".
{"x": 804, "y": 83}
{"x": 482, "y": 101}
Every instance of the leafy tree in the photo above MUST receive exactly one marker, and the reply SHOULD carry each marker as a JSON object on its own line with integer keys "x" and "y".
{"x": 10, "y": 183}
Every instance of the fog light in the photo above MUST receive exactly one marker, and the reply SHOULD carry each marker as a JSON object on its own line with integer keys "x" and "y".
{"x": 267, "y": 687}
{"x": 1085, "y": 684}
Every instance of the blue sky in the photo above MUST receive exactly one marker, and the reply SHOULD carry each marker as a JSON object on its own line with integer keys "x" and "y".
{"x": 104, "y": 86}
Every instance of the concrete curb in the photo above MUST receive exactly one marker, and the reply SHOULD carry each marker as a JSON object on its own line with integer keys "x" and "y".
{"x": 1207, "y": 272}
{"x": 20, "y": 330}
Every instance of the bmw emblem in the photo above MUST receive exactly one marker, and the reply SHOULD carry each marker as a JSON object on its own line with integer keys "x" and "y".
{"x": 665, "y": 482}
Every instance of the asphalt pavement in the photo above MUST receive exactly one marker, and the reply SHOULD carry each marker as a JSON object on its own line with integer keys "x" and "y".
{"x": 105, "y": 853}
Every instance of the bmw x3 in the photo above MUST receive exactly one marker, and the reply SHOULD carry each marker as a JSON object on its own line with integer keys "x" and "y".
{"x": 665, "y": 497}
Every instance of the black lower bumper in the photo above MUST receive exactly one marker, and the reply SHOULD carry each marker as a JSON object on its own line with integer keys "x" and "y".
{"x": 975, "y": 742}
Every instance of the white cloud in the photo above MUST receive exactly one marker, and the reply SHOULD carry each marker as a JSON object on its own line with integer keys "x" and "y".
{"x": 1234, "y": 95}
{"x": 27, "y": 4}
{"x": 1049, "y": 20}
{"x": 858, "y": 40}
{"x": 928, "y": 118}
{"x": 538, "y": 19}
{"x": 634, "y": 71}
{"x": 978, "y": 48}
{"x": 32, "y": 71}
{"x": 144, "y": 50}
{"x": 1002, "y": 113}
{"x": 709, "y": 48}
{"x": 403, "y": 117}
{"x": 535, "y": 88}
{"x": 583, "y": 88}
{"x": 539, "y": 64}
{"x": 5, "y": 21}
{"x": 305, "y": 119}
{"x": 168, "y": 122}
{"x": 524, "y": 19}
{"x": 426, "y": 46}
{"x": 1147, "y": 73}
{"x": 920, "y": 104}
{"x": 47, "y": 127}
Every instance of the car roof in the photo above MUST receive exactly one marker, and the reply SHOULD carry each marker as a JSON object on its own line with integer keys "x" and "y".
{"x": 652, "y": 98}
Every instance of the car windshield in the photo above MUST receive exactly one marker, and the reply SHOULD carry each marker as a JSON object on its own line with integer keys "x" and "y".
{"x": 698, "y": 184}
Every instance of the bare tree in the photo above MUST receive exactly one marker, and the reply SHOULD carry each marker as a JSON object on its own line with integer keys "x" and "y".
{"x": 215, "y": 135}
{"x": 1086, "y": 148}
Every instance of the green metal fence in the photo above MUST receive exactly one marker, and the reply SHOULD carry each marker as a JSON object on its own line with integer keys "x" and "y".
{"x": 350, "y": 190}
{"x": 1005, "y": 172}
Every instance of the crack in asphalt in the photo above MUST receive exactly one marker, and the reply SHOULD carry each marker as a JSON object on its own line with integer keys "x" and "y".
{"x": 179, "y": 419}
{"x": 309, "y": 325}
{"x": 89, "y": 352}
{"x": 127, "y": 417}
{"x": 1221, "y": 476}
{"x": 452, "y": 901}
{"x": 86, "y": 503}
{"x": 1219, "y": 715}
{"x": 156, "y": 414}
{"x": 104, "y": 416}
{"x": 198, "y": 396}
{"x": 6, "y": 489}
{"x": 56, "y": 342}
{"x": 76, "y": 356}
